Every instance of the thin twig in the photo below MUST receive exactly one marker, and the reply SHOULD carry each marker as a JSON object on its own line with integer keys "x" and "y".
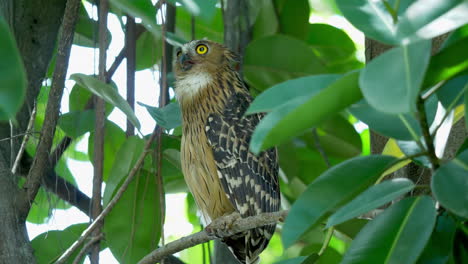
{"x": 19, "y": 135}
{"x": 433, "y": 90}
{"x": 41, "y": 159}
{"x": 86, "y": 247}
{"x": 99, "y": 131}
{"x": 450, "y": 108}
{"x": 139, "y": 30}
{"x": 422, "y": 118}
{"x": 239, "y": 225}
{"x": 327, "y": 240}
{"x": 123, "y": 52}
{"x": 25, "y": 140}
{"x": 112, "y": 203}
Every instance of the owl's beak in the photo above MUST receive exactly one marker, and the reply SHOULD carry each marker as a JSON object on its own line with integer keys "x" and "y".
{"x": 186, "y": 62}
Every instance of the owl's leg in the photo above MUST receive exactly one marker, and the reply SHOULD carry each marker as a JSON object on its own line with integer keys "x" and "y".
{"x": 222, "y": 227}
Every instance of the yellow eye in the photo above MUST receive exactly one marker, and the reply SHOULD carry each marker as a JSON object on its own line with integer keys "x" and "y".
{"x": 201, "y": 49}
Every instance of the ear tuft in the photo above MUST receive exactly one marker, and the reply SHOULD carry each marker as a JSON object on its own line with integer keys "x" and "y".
{"x": 233, "y": 59}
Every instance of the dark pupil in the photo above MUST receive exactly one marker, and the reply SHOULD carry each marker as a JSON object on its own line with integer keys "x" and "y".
{"x": 202, "y": 49}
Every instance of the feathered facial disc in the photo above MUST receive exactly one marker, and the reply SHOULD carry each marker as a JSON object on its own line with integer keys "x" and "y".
{"x": 202, "y": 56}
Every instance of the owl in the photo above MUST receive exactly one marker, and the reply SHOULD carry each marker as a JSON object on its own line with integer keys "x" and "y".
{"x": 221, "y": 173}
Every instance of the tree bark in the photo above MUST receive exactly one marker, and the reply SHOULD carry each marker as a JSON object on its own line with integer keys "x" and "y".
{"x": 35, "y": 27}
{"x": 237, "y": 27}
{"x": 14, "y": 242}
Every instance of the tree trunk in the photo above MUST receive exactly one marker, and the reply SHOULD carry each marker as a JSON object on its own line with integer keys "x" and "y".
{"x": 35, "y": 25}
{"x": 14, "y": 242}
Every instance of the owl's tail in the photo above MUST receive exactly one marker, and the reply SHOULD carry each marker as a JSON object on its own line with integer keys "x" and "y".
{"x": 248, "y": 245}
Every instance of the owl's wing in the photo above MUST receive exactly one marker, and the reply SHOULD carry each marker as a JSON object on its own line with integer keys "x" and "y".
{"x": 250, "y": 181}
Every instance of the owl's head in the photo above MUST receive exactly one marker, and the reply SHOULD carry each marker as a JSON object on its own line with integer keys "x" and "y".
{"x": 202, "y": 57}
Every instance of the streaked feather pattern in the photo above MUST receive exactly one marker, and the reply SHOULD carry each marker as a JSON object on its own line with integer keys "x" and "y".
{"x": 221, "y": 172}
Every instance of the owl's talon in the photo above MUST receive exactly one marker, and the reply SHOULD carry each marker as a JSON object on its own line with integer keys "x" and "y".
{"x": 222, "y": 227}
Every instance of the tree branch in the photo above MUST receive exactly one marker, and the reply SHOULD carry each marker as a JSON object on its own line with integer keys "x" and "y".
{"x": 130, "y": 44}
{"x": 19, "y": 156}
{"x": 86, "y": 247}
{"x": 41, "y": 160}
{"x": 112, "y": 203}
{"x": 67, "y": 191}
{"x": 239, "y": 225}
{"x": 99, "y": 125}
{"x": 422, "y": 118}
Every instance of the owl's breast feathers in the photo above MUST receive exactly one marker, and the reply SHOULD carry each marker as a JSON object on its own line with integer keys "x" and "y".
{"x": 221, "y": 172}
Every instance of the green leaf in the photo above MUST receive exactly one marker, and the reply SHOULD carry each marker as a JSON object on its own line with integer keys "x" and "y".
{"x": 115, "y": 137}
{"x": 339, "y": 138}
{"x": 371, "y": 17}
{"x": 426, "y": 19}
{"x": 332, "y": 45}
{"x": 466, "y": 110}
{"x": 12, "y": 74}
{"x": 336, "y": 186}
{"x": 86, "y": 31}
{"x": 124, "y": 161}
{"x": 315, "y": 258}
{"x": 455, "y": 36}
{"x": 402, "y": 127}
{"x": 291, "y": 119}
{"x": 448, "y": 63}
{"x": 299, "y": 160}
{"x": 410, "y": 147}
{"x": 78, "y": 98}
{"x": 133, "y": 227}
{"x": 145, "y": 10}
{"x": 451, "y": 93}
{"x": 398, "y": 235}
{"x": 297, "y": 260}
{"x": 416, "y": 20}
{"x": 204, "y": 9}
{"x": 330, "y": 255}
{"x": 44, "y": 203}
{"x": 107, "y": 93}
{"x": 293, "y": 58}
{"x": 173, "y": 178}
{"x": 294, "y": 18}
{"x": 81, "y": 99}
{"x": 168, "y": 117}
{"x": 370, "y": 199}
{"x": 148, "y": 50}
{"x": 267, "y": 22}
{"x": 351, "y": 227}
{"x": 449, "y": 185}
{"x": 49, "y": 246}
{"x": 212, "y": 29}
{"x": 282, "y": 93}
{"x": 440, "y": 245}
{"x": 75, "y": 124}
{"x": 391, "y": 82}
